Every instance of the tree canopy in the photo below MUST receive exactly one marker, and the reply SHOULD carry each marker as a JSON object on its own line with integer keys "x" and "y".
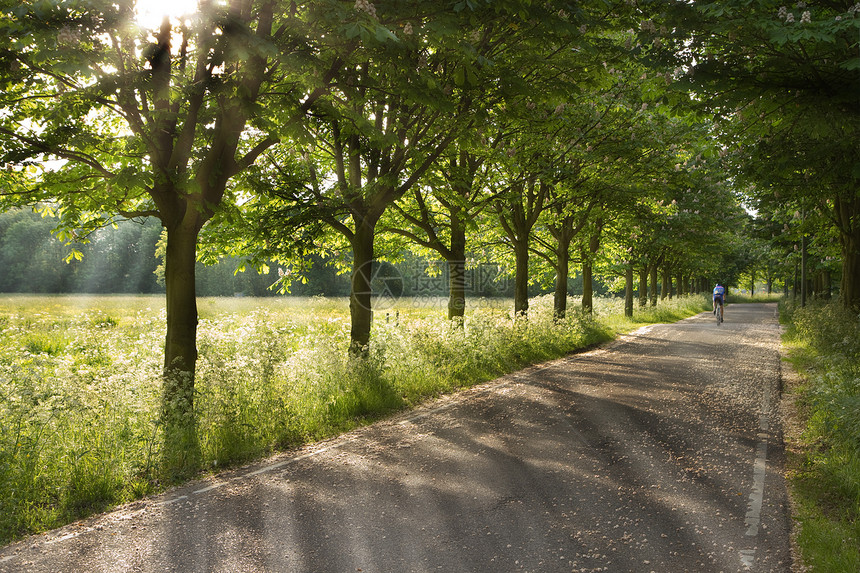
{"x": 687, "y": 142}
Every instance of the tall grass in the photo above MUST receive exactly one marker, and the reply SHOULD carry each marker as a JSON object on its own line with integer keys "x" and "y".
{"x": 735, "y": 297}
{"x": 80, "y": 382}
{"x": 824, "y": 347}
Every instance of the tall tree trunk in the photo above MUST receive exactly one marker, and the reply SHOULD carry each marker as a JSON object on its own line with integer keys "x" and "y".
{"x": 562, "y": 267}
{"x": 457, "y": 269}
{"x": 182, "y": 449}
{"x": 521, "y": 280}
{"x": 653, "y": 272}
{"x": 587, "y": 288}
{"x": 588, "y": 268}
{"x": 666, "y": 287}
{"x": 628, "y": 291}
{"x": 643, "y": 286}
{"x": 804, "y": 287}
{"x": 796, "y": 281}
{"x": 562, "y": 274}
{"x": 361, "y": 292}
{"x": 850, "y": 285}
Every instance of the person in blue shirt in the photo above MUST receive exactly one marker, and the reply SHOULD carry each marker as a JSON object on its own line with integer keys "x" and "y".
{"x": 719, "y": 296}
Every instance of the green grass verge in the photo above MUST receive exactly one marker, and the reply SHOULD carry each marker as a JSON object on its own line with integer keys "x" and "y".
{"x": 823, "y": 344}
{"x": 80, "y": 383}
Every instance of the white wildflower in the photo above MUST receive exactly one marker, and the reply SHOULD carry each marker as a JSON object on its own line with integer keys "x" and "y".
{"x": 789, "y": 19}
{"x": 365, "y": 6}
{"x": 648, "y": 26}
{"x": 806, "y": 18}
{"x": 783, "y": 12}
{"x": 67, "y": 36}
{"x": 407, "y": 29}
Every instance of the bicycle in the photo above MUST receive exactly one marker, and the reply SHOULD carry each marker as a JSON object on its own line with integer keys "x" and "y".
{"x": 718, "y": 312}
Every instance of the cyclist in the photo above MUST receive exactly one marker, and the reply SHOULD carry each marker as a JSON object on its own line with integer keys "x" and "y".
{"x": 719, "y": 296}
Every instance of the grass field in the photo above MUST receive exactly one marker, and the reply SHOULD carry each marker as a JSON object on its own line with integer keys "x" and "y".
{"x": 80, "y": 382}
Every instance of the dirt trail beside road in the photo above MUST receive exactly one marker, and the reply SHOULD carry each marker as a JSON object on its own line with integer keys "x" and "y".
{"x": 660, "y": 452}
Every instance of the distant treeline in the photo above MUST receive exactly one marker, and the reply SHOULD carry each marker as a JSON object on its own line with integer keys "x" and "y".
{"x": 120, "y": 260}
{"x": 124, "y": 260}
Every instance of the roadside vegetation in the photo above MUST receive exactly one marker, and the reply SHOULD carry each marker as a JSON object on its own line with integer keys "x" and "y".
{"x": 739, "y": 297}
{"x": 823, "y": 343}
{"x": 80, "y": 382}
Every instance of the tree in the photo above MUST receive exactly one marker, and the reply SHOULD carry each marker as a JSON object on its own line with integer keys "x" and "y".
{"x": 30, "y": 256}
{"x": 149, "y": 124}
{"x": 439, "y": 213}
{"x": 418, "y": 81}
{"x": 392, "y": 111}
{"x": 543, "y": 72}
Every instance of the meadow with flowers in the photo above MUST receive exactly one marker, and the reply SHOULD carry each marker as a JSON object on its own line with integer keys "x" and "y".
{"x": 80, "y": 382}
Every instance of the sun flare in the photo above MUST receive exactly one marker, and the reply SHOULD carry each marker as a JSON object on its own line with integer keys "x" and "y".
{"x": 150, "y": 13}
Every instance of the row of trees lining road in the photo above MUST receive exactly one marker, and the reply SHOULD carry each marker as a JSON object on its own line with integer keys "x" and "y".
{"x": 783, "y": 83}
{"x": 129, "y": 258}
{"x": 528, "y": 133}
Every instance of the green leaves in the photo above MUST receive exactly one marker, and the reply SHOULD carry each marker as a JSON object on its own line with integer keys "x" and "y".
{"x": 851, "y": 64}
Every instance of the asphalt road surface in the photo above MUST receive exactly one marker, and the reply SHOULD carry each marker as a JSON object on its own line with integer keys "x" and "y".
{"x": 660, "y": 452}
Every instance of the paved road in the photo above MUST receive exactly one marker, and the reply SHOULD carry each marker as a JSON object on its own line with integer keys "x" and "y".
{"x": 661, "y": 452}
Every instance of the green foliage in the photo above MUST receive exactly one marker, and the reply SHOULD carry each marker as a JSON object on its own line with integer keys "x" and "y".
{"x": 780, "y": 81}
{"x": 81, "y": 426}
{"x": 824, "y": 343}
